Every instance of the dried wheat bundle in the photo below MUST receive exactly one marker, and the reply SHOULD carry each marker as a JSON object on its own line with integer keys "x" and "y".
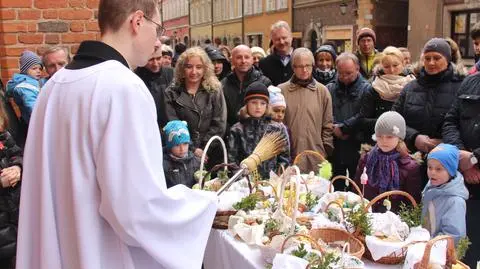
{"x": 271, "y": 144}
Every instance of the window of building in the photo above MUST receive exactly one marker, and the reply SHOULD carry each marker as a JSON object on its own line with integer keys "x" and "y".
{"x": 258, "y": 7}
{"x": 255, "y": 40}
{"x": 240, "y": 8}
{"x": 282, "y": 4}
{"x": 462, "y": 23}
{"x": 270, "y": 5}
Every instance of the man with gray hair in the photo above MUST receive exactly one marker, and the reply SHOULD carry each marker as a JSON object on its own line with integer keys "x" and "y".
{"x": 54, "y": 59}
{"x": 277, "y": 66}
{"x": 347, "y": 91}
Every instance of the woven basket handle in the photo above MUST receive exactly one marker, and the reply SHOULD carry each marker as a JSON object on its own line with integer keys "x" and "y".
{"x": 355, "y": 186}
{"x": 314, "y": 244}
{"x": 388, "y": 193}
{"x": 204, "y": 155}
{"x": 423, "y": 264}
{"x": 298, "y": 158}
{"x": 334, "y": 203}
{"x": 286, "y": 179}
{"x": 264, "y": 182}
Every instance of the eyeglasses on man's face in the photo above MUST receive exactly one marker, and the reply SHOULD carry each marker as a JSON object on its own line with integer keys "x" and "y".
{"x": 160, "y": 28}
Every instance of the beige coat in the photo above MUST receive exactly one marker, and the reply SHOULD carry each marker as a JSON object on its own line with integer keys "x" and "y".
{"x": 310, "y": 120}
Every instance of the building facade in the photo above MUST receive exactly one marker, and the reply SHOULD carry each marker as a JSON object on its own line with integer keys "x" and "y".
{"x": 319, "y": 21}
{"x": 200, "y": 22}
{"x": 443, "y": 18}
{"x": 228, "y": 22}
{"x": 324, "y": 20}
{"x": 175, "y": 19}
{"x": 259, "y": 15}
{"x": 37, "y": 24}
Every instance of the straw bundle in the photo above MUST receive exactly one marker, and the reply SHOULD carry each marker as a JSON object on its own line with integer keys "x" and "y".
{"x": 271, "y": 144}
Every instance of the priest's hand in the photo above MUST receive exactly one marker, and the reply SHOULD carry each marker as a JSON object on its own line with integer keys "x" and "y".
{"x": 11, "y": 174}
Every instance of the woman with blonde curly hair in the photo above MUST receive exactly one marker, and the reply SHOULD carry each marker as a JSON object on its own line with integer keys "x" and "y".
{"x": 197, "y": 98}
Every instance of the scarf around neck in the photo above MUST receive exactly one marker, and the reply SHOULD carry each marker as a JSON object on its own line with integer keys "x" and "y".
{"x": 389, "y": 87}
{"x": 327, "y": 75}
{"x": 382, "y": 169}
{"x": 305, "y": 83}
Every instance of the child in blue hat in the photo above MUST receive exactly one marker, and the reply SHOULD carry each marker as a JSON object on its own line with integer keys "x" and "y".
{"x": 444, "y": 196}
{"x": 179, "y": 163}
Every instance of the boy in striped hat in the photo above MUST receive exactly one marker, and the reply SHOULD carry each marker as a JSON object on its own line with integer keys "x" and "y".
{"x": 25, "y": 86}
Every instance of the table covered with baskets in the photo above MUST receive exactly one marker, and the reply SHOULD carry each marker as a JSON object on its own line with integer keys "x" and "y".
{"x": 296, "y": 221}
{"x": 224, "y": 251}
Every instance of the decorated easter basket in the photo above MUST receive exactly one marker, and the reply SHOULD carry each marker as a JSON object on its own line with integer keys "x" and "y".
{"x": 221, "y": 217}
{"x": 267, "y": 252}
{"x": 320, "y": 184}
{"x": 352, "y": 199}
{"x": 397, "y": 257}
{"x": 347, "y": 261}
{"x": 451, "y": 257}
{"x": 330, "y": 235}
{"x": 303, "y": 237}
{"x": 355, "y": 186}
{"x": 307, "y": 153}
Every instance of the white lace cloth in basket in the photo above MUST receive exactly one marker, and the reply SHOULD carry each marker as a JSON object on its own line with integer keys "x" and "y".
{"x": 379, "y": 248}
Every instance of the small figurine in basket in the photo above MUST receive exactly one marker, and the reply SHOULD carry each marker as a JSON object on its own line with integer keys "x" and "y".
{"x": 179, "y": 163}
{"x": 444, "y": 196}
{"x": 388, "y": 164}
{"x": 245, "y": 134}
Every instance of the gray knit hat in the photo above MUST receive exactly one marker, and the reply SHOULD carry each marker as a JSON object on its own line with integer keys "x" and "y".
{"x": 391, "y": 123}
{"x": 439, "y": 45}
{"x": 27, "y": 60}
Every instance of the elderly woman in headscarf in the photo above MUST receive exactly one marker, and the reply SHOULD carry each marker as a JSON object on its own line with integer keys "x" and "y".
{"x": 308, "y": 112}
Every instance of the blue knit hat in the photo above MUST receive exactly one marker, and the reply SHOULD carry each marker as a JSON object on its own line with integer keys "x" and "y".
{"x": 27, "y": 60}
{"x": 176, "y": 133}
{"x": 448, "y": 156}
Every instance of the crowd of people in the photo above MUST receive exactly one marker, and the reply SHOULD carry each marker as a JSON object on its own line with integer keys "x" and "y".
{"x": 365, "y": 111}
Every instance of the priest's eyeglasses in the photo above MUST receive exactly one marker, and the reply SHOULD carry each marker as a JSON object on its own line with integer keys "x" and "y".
{"x": 160, "y": 28}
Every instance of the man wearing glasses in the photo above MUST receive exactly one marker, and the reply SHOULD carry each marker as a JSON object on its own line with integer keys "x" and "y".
{"x": 94, "y": 192}
{"x": 347, "y": 92}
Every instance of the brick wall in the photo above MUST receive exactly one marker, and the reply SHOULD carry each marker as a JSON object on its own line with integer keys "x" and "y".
{"x": 37, "y": 24}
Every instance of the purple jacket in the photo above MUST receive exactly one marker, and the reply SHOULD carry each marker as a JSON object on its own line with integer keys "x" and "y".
{"x": 410, "y": 182}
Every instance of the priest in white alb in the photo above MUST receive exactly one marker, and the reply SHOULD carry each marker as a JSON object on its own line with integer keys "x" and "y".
{"x": 94, "y": 193}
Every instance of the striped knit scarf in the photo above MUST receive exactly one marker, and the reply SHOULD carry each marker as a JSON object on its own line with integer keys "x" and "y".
{"x": 382, "y": 169}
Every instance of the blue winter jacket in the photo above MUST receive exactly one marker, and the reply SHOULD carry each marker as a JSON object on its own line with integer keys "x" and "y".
{"x": 24, "y": 89}
{"x": 444, "y": 208}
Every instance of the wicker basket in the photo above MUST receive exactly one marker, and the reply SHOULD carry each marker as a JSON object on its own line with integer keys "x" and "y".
{"x": 306, "y": 153}
{"x": 221, "y": 217}
{"x": 355, "y": 186}
{"x": 204, "y": 156}
{"x": 312, "y": 241}
{"x": 394, "y": 258}
{"x": 264, "y": 182}
{"x": 267, "y": 252}
{"x": 341, "y": 210}
{"x": 451, "y": 257}
{"x": 330, "y": 235}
